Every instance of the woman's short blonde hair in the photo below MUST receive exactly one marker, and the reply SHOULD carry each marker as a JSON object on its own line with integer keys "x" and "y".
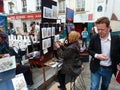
{"x": 73, "y": 36}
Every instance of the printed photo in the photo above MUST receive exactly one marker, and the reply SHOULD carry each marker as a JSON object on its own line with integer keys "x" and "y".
{"x": 54, "y": 8}
{"x": 44, "y": 34}
{"x": 44, "y": 44}
{"x": 53, "y": 31}
{"x": 47, "y": 12}
{"x": 49, "y": 32}
{"x": 49, "y": 42}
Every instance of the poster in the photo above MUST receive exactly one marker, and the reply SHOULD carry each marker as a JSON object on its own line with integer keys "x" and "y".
{"x": 7, "y": 63}
{"x": 19, "y": 82}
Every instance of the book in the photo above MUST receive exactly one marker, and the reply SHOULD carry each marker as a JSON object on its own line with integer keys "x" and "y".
{"x": 118, "y": 76}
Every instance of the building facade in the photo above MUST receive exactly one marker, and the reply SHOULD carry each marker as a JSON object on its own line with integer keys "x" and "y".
{"x": 22, "y": 12}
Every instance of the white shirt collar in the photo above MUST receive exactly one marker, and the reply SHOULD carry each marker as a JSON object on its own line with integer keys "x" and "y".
{"x": 108, "y": 38}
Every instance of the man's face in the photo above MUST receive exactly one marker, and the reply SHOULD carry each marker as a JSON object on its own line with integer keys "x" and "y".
{"x": 103, "y": 30}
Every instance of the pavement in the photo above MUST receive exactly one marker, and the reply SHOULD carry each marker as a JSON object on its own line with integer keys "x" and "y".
{"x": 86, "y": 77}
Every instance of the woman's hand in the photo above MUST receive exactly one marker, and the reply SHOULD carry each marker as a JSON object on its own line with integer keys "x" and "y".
{"x": 57, "y": 45}
{"x": 6, "y": 55}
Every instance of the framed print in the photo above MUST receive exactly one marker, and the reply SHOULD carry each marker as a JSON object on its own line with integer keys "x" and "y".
{"x": 44, "y": 44}
{"x": 49, "y": 32}
{"x": 49, "y": 42}
{"x": 53, "y": 31}
{"x": 47, "y": 12}
{"x": 56, "y": 37}
{"x": 44, "y": 34}
{"x": 54, "y": 8}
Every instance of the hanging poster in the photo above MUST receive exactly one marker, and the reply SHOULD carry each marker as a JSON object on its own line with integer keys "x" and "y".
{"x": 54, "y": 8}
{"x": 47, "y": 12}
{"x": 53, "y": 31}
{"x": 49, "y": 32}
{"x": 44, "y": 32}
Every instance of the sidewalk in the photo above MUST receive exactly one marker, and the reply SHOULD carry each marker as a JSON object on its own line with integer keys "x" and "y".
{"x": 113, "y": 86}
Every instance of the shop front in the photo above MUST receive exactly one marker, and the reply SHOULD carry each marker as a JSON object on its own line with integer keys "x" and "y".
{"x": 21, "y": 22}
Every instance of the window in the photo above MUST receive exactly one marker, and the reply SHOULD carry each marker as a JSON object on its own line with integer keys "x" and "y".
{"x": 61, "y": 6}
{"x": 38, "y": 5}
{"x": 24, "y": 6}
{"x": 80, "y": 5}
{"x": 10, "y": 7}
{"x": 24, "y": 26}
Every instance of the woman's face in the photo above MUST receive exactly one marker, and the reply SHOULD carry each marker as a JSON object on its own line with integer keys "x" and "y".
{"x": 103, "y": 30}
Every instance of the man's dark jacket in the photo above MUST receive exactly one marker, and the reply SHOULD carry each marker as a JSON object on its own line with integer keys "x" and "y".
{"x": 95, "y": 47}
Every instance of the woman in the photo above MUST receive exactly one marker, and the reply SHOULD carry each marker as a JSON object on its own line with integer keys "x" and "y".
{"x": 71, "y": 58}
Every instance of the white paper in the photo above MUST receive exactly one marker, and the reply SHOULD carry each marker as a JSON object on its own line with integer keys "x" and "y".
{"x": 19, "y": 82}
{"x": 7, "y": 63}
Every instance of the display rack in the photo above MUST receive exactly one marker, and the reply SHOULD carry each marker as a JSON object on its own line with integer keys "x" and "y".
{"x": 48, "y": 30}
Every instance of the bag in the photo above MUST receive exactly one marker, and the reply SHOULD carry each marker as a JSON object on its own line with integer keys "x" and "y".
{"x": 94, "y": 65}
{"x": 76, "y": 70}
{"x": 118, "y": 76}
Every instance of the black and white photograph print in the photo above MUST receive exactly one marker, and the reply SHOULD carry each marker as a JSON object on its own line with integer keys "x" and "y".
{"x": 57, "y": 37}
{"x": 47, "y": 12}
{"x": 44, "y": 44}
{"x": 49, "y": 32}
{"x": 53, "y": 31}
{"x": 54, "y": 8}
{"x": 49, "y": 42}
{"x": 44, "y": 34}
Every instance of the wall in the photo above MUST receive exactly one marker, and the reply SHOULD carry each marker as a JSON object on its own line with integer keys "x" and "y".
{"x": 17, "y": 7}
{"x": 115, "y": 25}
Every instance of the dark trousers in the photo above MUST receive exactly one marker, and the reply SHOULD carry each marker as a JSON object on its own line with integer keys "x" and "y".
{"x": 84, "y": 42}
{"x": 61, "y": 79}
{"x": 26, "y": 72}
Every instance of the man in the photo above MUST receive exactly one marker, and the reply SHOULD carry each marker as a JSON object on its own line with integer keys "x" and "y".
{"x": 84, "y": 37}
{"x": 105, "y": 51}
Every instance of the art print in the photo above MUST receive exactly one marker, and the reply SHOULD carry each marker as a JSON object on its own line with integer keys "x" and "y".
{"x": 53, "y": 31}
{"x": 49, "y": 42}
{"x": 7, "y": 63}
{"x": 19, "y": 82}
{"x": 49, "y": 32}
{"x": 44, "y": 44}
{"x": 44, "y": 32}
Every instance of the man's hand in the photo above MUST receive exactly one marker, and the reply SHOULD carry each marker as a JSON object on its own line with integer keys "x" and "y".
{"x": 102, "y": 57}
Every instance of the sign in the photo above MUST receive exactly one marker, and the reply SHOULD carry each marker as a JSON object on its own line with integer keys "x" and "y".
{"x": 25, "y": 16}
{"x": 69, "y": 15}
{"x": 90, "y": 16}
